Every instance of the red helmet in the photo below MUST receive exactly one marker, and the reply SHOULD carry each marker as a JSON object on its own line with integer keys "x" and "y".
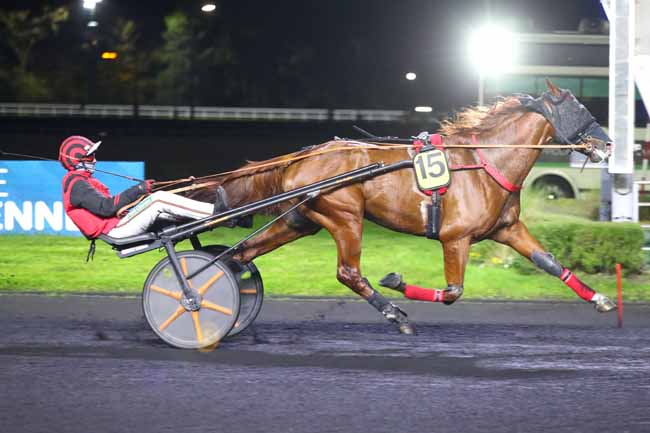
{"x": 77, "y": 149}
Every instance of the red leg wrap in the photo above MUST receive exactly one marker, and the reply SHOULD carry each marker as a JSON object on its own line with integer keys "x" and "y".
{"x": 581, "y": 289}
{"x": 422, "y": 294}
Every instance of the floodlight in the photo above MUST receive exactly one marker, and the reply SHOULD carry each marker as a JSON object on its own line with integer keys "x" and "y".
{"x": 93, "y": 23}
{"x": 423, "y": 109}
{"x": 209, "y": 7}
{"x": 91, "y": 4}
{"x": 492, "y": 50}
{"x": 410, "y": 76}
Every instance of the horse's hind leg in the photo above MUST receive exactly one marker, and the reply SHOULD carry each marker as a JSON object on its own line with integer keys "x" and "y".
{"x": 456, "y": 253}
{"x": 346, "y": 229}
{"x": 280, "y": 233}
{"x": 518, "y": 237}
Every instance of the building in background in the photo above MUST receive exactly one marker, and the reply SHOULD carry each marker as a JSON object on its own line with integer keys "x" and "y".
{"x": 578, "y": 61}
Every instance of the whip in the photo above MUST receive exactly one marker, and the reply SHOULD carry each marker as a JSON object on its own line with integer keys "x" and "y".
{"x": 3, "y": 153}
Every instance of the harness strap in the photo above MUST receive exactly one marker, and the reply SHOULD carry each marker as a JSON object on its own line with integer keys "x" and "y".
{"x": 490, "y": 169}
{"x": 91, "y": 251}
{"x": 496, "y": 174}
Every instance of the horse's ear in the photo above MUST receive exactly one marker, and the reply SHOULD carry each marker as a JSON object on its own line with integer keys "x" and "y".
{"x": 555, "y": 91}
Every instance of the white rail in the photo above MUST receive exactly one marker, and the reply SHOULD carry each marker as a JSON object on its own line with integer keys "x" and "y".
{"x": 200, "y": 113}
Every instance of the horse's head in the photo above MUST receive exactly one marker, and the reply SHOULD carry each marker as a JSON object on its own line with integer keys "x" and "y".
{"x": 571, "y": 120}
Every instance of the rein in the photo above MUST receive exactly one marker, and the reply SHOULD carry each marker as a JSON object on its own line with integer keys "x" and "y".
{"x": 370, "y": 146}
{"x": 166, "y": 184}
{"x": 499, "y": 146}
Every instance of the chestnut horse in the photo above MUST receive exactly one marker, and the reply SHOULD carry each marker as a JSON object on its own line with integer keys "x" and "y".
{"x": 475, "y": 207}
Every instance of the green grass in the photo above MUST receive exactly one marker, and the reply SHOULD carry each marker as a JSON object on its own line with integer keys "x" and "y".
{"x": 305, "y": 267}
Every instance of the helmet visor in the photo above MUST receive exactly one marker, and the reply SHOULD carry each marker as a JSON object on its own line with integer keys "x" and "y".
{"x": 93, "y": 148}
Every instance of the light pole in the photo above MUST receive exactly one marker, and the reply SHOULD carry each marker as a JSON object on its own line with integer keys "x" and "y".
{"x": 91, "y": 5}
{"x": 491, "y": 52}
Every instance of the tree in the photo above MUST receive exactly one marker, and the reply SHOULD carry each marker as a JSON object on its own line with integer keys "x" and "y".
{"x": 123, "y": 79}
{"x": 192, "y": 59}
{"x": 21, "y": 31}
{"x": 175, "y": 56}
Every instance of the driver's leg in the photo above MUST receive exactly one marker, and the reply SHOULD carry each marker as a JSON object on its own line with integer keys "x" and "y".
{"x": 142, "y": 216}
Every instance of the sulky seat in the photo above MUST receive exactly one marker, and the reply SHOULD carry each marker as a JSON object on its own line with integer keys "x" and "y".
{"x": 132, "y": 245}
{"x": 137, "y": 239}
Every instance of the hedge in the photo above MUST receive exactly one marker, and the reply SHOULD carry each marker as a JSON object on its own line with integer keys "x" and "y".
{"x": 593, "y": 247}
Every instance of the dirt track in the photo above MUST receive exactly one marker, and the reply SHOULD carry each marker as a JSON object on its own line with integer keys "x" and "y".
{"x": 81, "y": 364}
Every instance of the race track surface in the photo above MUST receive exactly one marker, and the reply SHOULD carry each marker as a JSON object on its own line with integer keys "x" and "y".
{"x": 90, "y": 364}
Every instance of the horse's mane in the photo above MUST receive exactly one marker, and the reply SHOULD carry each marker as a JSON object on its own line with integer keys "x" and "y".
{"x": 474, "y": 120}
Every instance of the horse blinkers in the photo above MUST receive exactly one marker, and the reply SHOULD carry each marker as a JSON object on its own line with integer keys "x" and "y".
{"x": 572, "y": 122}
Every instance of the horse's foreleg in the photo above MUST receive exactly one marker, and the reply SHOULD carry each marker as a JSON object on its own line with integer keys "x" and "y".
{"x": 456, "y": 253}
{"x": 518, "y": 237}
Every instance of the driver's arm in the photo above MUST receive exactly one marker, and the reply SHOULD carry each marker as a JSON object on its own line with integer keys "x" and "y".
{"x": 85, "y": 196}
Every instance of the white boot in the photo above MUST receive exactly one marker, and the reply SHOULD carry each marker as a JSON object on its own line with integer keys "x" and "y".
{"x": 602, "y": 303}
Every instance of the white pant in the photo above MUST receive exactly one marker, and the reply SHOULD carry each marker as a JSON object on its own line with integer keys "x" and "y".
{"x": 160, "y": 204}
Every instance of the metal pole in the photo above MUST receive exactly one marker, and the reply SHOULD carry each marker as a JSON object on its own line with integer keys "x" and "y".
{"x": 621, "y": 106}
{"x": 605, "y": 210}
{"x": 481, "y": 88}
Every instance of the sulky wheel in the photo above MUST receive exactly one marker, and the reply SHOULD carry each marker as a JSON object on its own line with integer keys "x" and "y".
{"x": 178, "y": 327}
{"x": 251, "y": 289}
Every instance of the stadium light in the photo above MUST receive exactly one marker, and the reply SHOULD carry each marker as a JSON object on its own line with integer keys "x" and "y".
{"x": 491, "y": 51}
{"x": 208, "y": 7}
{"x": 91, "y": 4}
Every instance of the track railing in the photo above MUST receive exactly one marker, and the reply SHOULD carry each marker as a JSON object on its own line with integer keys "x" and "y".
{"x": 186, "y": 112}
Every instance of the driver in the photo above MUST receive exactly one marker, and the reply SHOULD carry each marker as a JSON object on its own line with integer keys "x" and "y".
{"x": 94, "y": 211}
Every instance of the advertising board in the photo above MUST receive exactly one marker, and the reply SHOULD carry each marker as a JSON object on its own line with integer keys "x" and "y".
{"x": 31, "y": 198}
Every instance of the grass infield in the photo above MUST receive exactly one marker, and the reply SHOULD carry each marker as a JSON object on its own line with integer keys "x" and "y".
{"x": 306, "y": 267}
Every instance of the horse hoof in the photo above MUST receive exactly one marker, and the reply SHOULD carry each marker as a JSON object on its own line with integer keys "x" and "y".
{"x": 395, "y": 315}
{"x": 452, "y": 294}
{"x": 603, "y": 304}
{"x": 393, "y": 281}
{"x": 406, "y": 329}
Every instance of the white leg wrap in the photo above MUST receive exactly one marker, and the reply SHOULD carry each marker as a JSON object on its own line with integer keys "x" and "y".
{"x": 161, "y": 204}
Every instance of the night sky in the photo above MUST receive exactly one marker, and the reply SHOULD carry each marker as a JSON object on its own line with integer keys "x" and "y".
{"x": 390, "y": 38}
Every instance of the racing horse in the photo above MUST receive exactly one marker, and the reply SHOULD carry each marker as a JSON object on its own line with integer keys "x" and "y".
{"x": 479, "y": 204}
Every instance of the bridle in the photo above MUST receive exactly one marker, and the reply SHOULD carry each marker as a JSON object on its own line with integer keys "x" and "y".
{"x": 573, "y": 124}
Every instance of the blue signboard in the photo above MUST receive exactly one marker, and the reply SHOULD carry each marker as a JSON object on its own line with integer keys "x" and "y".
{"x": 31, "y": 199}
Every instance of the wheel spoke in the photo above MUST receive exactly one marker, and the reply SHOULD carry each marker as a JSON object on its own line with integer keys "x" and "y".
{"x": 248, "y": 291}
{"x": 211, "y": 306}
{"x": 175, "y": 315}
{"x": 175, "y": 295}
{"x": 204, "y": 288}
{"x": 184, "y": 268}
{"x": 197, "y": 326}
